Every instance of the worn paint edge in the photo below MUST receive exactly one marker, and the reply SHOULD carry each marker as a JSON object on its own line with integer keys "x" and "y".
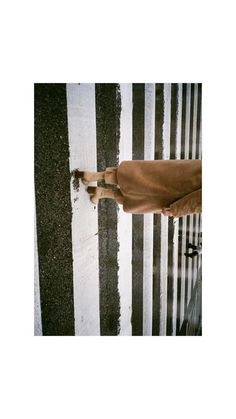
{"x": 184, "y": 223}
{"x": 149, "y": 153}
{"x": 192, "y": 263}
{"x": 124, "y": 220}
{"x": 37, "y": 304}
{"x": 176, "y": 220}
{"x": 164, "y": 219}
{"x": 83, "y": 155}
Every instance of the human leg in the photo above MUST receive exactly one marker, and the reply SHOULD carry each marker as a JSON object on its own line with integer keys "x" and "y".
{"x": 99, "y": 193}
{"x": 87, "y": 177}
{"x": 109, "y": 176}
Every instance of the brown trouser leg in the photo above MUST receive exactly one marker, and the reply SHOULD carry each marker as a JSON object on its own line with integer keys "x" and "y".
{"x": 110, "y": 177}
{"x": 119, "y": 197}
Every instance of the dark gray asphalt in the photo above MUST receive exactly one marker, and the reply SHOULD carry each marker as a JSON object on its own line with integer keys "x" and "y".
{"x": 137, "y": 219}
{"x": 159, "y": 119}
{"x": 53, "y": 209}
{"x": 108, "y": 108}
{"x": 170, "y": 293}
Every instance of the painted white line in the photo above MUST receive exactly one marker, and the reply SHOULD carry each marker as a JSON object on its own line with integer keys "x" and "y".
{"x": 200, "y": 157}
{"x": 83, "y": 155}
{"x": 200, "y": 139}
{"x": 124, "y": 220}
{"x": 192, "y": 263}
{"x": 196, "y": 230}
{"x": 195, "y": 120}
{"x": 187, "y": 122}
{"x": 37, "y": 305}
{"x": 184, "y": 222}
{"x": 200, "y": 230}
{"x": 179, "y": 122}
{"x": 175, "y": 274}
{"x": 176, "y": 220}
{"x": 167, "y": 120}
{"x": 200, "y": 223}
{"x": 164, "y": 220}
{"x": 163, "y": 275}
{"x": 149, "y": 154}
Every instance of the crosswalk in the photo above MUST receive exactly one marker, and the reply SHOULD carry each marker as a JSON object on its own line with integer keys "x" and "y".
{"x": 130, "y": 275}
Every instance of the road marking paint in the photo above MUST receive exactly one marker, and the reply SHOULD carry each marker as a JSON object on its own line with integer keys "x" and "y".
{"x": 176, "y": 220}
{"x": 124, "y": 226}
{"x": 149, "y": 153}
{"x": 184, "y": 222}
{"x": 37, "y": 305}
{"x": 164, "y": 219}
{"x": 194, "y": 138}
{"x": 83, "y": 155}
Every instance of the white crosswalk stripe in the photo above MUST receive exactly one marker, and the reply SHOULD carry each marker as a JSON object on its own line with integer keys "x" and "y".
{"x": 149, "y": 151}
{"x": 83, "y": 155}
{"x": 176, "y": 220}
{"x": 37, "y": 306}
{"x": 124, "y": 227}
{"x": 184, "y": 225}
{"x": 164, "y": 220}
